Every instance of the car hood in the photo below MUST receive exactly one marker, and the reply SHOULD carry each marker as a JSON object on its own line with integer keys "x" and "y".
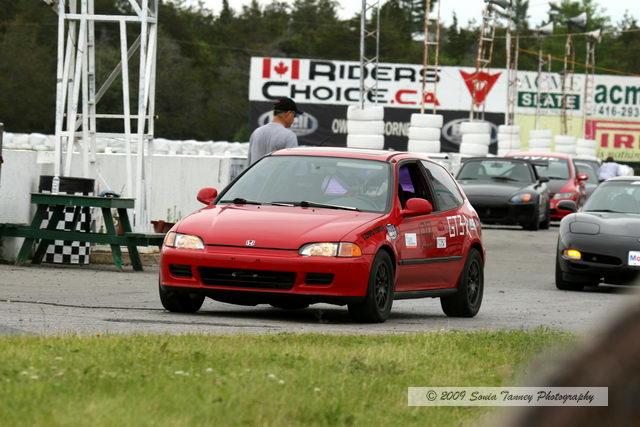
{"x": 280, "y": 227}
{"x": 612, "y": 223}
{"x": 495, "y": 189}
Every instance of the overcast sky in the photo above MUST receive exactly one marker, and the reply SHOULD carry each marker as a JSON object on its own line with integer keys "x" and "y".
{"x": 465, "y": 9}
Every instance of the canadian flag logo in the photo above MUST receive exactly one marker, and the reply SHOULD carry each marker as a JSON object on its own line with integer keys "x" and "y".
{"x": 485, "y": 84}
{"x": 280, "y": 68}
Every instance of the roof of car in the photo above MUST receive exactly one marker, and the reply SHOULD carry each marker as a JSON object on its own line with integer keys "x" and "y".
{"x": 624, "y": 178}
{"x": 357, "y": 153}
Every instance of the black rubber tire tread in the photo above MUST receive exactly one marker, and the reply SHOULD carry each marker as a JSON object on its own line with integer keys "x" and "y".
{"x": 369, "y": 311}
{"x": 547, "y": 220}
{"x": 180, "y": 302}
{"x": 563, "y": 284}
{"x": 459, "y": 305}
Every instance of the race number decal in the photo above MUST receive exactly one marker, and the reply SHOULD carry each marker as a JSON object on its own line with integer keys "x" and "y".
{"x": 410, "y": 240}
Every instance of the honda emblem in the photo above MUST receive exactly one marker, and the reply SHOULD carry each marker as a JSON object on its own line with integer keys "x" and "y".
{"x": 251, "y": 242}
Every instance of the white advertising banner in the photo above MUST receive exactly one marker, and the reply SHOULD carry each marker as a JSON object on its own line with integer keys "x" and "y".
{"x": 314, "y": 81}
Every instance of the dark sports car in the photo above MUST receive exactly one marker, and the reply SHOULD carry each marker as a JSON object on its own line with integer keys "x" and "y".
{"x": 601, "y": 242}
{"x": 506, "y": 191}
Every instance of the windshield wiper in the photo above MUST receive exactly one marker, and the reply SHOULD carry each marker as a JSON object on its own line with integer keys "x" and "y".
{"x": 506, "y": 178}
{"x": 308, "y": 204}
{"x": 603, "y": 210}
{"x": 241, "y": 201}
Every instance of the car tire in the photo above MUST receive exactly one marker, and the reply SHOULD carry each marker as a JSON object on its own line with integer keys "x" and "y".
{"x": 563, "y": 284}
{"x": 377, "y": 303}
{"x": 179, "y": 302}
{"x": 544, "y": 225}
{"x": 534, "y": 225}
{"x": 289, "y": 305}
{"x": 466, "y": 302}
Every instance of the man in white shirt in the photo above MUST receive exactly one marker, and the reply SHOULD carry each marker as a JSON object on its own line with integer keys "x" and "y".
{"x": 276, "y": 134}
{"x": 609, "y": 169}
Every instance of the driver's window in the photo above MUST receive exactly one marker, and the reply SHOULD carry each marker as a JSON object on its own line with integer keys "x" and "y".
{"x": 412, "y": 184}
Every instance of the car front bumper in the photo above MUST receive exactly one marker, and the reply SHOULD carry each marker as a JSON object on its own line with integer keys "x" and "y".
{"x": 255, "y": 276}
{"x": 503, "y": 212}
{"x": 604, "y": 258}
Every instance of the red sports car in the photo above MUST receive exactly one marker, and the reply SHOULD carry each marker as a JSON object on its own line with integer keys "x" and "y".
{"x": 565, "y": 183}
{"x": 340, "y": 226}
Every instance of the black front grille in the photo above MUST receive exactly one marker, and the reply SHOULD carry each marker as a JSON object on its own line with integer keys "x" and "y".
{"x": 180, "y": 270}
{"x": 490, "y": 213}
{"x": 318, "y": 279}
{"x": 263, "y": 279}
{"x": 602, "y": 259}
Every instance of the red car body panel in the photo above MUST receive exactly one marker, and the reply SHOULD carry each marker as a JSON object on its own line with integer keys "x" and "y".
{"x": 572, "y": 185}
{"x": 433, "y": 261}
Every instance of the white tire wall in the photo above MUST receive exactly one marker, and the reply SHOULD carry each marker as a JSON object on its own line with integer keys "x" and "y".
{"x": 365, "y": 127}
{"x": 476, "y": 138}
{"x": 509, "y": 130}
{"x": 426, "y": 120}
{"x": 472, "y": 149}
{"x": 424, "y": 134}
{"x": 540, "y": 134}
{"x": 375, "y": 113}
{"x": 475, "y": 127}
{"x": 565, "y": 140}
{"x": 540, "y": 144}
{"x": 586, "y": 143}
{"x": 566, "y": 149}
{"x": 421, "y": 146}
{"x": 375, "y": 142}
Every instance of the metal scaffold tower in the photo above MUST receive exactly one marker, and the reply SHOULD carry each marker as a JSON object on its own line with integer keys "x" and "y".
{"x": 593, "y": 38}
{"x": 431, "y": 57}
{"x": 545, "y": 30}
{"x": 369, "y": 30}
{"x": 512, "y": 45}
{"x": 568, "y": 71}
{"x": 484, "y": 55}
{"x": 77, "y": 95}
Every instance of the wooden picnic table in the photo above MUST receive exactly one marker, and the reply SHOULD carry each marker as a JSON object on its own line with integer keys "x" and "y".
{"x": 58, "y": 203}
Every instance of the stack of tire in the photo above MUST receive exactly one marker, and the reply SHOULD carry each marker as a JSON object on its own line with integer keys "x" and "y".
{"x": 565, "y": 144}
{"x": 586, "y": 147}
{"x": 508, "y": 139}
{"x": 365, "y": 127}
{"x": 540, "y": 140}
{"x": 476, "y": 138}
{"x": 424, "y": 133}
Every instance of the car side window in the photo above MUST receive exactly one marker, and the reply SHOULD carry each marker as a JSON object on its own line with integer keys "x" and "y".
{"x": 412, "y": 184}
{"x": 448, "y": 195}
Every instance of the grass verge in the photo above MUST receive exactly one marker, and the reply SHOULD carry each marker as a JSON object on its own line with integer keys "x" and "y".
{"x": 279, "y": 380}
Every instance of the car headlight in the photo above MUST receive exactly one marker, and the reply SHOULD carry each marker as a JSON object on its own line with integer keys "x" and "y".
{"x": 580, "y": 227}
{"x": 331, "y": 249}
{"x": 572, "y": 253}
{"x": 521, "y": 198}
{"x": 183, "y": 241}
{"x": 565, "y": 196}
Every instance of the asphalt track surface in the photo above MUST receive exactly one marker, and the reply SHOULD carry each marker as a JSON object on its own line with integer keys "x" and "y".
{"x": 519, "y": 293}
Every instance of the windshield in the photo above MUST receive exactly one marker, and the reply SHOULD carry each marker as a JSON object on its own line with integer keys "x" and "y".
{"x": 496, "y": 170}
{"x": 554, "y": 169}
{"x": 620, "y": 196}
{"x": 343, "y": 183}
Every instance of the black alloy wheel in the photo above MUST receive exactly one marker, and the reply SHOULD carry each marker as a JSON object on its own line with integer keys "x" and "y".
{"x": 467, "y": 301}
{"x": 377, "y": 303}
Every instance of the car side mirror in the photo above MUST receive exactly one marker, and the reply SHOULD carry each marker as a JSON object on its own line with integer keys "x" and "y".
{"x": 415, "y": 207}
{"x": 567, "y": 205}
{"x": 543, "y": 179}
{"x": 583, "y": 177}
{"x": 207, "y": 195}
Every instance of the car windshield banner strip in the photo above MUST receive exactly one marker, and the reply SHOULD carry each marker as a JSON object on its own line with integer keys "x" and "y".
{"x": 429, "y": 260}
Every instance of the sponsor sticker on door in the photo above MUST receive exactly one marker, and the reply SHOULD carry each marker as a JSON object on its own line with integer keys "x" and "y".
{"x": 634, "y": 258}
{"x": 411, "y": 240}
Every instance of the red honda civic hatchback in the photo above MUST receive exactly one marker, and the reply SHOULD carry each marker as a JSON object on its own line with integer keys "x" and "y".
{"x": 339, "y": 226}
{"x": 565, "y": 183}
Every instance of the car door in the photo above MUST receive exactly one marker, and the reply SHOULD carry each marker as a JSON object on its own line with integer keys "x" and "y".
{"x": 418, "y": 236}
{"x": 450, "y": 224}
